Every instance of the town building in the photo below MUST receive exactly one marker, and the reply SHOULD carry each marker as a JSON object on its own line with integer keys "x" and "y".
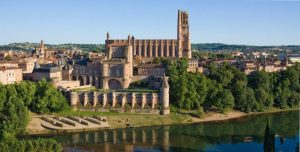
{"x": 27, "y": 66}
{"x": 9, "y": 64}
{"x": 194, "y": 67}
{"x": 48, "y": 73}
{"x": 294, "y": 58}
{"x": 39, "y": 51}
{"x": 10, "y": 75}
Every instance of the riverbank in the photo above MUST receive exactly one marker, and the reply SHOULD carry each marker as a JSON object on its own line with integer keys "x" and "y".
{"x": 123, "y": 120}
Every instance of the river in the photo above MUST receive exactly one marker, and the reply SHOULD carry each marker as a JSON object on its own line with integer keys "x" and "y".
{"x": 241, "y": 134}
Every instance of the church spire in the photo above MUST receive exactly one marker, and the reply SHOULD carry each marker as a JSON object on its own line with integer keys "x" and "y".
{"x": 107, "y": 36}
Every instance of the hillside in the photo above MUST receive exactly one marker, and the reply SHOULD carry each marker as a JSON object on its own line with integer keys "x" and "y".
{"x": 226, "y": 47}
{"x": 198, "y": 46}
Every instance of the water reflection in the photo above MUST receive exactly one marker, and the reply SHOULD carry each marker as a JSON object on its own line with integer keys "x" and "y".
{"x": 245, "y": 134}
{"x": 119, "y": 140}
{"x": 269, "y": 139}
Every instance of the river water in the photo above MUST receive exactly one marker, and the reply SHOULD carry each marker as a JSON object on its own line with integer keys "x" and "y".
{"x": 238, "y": 135}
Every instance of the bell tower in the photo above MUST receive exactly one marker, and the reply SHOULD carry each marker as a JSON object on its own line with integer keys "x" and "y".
{"x": 183, "y": 35}
{"x": 42, "y": 52}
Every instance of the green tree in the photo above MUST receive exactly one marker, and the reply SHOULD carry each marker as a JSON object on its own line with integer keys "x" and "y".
{"x": 294, "y": 99}
{"x": 14, "y": 115}
{"x": 224, "y": 100}
{"x": 293, "y": 75}
{"x": 239, "y": 78}
{"x": 264, "y": 99}
{"x": 282, "y": 94}
{"x": 245, "y": 99}
{"x": 8, "y": 58}
{"x": 48, "y": 99}
{"x": 213, "y": 88}
{"x": 287, "y": 87}
{"x": 26, "y": 91}
{"x": 262, "y": 83}
{"x": 178, "y": 81}
{"x": 201, "y": 88}
{"x": 222, "y": 74}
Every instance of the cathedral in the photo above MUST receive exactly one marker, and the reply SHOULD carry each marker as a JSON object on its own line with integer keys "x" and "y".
{"x": 115, "y": 70}
{"x": 175, "y": 48}
{"x": 127, "y": 64}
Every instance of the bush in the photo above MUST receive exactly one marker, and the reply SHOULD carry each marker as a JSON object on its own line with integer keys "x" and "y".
{"x": 200, "y": 112}
{"x": 39, "y": 145}
{"x": 174, "y": 109}
{"x": 14, "y": 114}
{"x": 48, "y": 99}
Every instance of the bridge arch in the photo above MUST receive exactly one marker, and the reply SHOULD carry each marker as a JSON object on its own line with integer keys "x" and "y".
{"x": 114, "y": 84}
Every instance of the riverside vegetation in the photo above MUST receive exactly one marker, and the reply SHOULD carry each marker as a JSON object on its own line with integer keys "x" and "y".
{"x": 16, "y": 100}
{"x": 225, "y": 88}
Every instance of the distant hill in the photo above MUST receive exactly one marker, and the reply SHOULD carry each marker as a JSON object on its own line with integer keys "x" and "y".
{"x": 226, "y": 47}
{"x": 30, "y": 46}
{"x": 198, "y": 46}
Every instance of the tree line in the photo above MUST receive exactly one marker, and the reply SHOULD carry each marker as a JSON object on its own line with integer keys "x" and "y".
{"x": 225, "y": 87}
{"x": 16, "y": 100}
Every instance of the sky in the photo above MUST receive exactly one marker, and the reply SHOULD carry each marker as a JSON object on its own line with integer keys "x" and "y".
{"x": 250, "y": 22}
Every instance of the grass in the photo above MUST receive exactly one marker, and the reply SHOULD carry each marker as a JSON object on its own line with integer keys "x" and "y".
{"x": 92, "y": 88}
{"x": 120, "y": 120}
{"x": 91, "y": 113}
{"x": 273, "y": 109}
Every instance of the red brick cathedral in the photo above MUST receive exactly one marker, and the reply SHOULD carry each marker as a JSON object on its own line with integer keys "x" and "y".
{"x": 173, "y": 48}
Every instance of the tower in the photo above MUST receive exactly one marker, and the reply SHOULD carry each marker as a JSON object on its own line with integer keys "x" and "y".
{"x": 128, "y": 66}
{"x": 41, "y": 50}
{"x": 42, "y": 46}
{"x": 164, "y": 96}
{"x": 183, "y": 35}
{"x": 107, "y": 36}
{"x": 107, "y": 44}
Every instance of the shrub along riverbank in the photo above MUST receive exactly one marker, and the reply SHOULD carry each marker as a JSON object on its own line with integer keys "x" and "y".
{"x": 15, "y": 102}
{"x": 38, "y": 145}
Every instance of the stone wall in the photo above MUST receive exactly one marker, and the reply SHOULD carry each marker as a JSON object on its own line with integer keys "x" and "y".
{"x": 149, "y": 70}
{"x": 116, "y": 101}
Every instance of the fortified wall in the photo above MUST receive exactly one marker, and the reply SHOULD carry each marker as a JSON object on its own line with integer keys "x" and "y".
{"x": 147, "y": 102}
{"x": 156, "y": 102}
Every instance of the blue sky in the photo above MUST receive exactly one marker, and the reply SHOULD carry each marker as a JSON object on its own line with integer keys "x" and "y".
{"x": 252, "y": 22}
